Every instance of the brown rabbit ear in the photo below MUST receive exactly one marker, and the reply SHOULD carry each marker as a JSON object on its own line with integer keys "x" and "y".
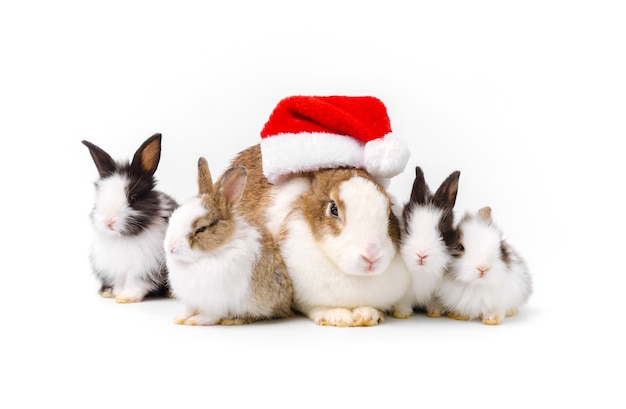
{"x": 445, "y": 196}
{"x": 147, "y": 157}
{"x": 233, "y": 183}
{"x": 205, "y": 182}
{"x": 104, "y": 163}
{"x": 485, "y": 213}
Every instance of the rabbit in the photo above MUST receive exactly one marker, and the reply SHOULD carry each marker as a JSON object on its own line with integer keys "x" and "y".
{"x": 338, "y": 238}
{"x": 224, "y": 269}
{"x": 129, "y": 220}
{"x": 427, "y": 224}
{"x": 487, "y": 278}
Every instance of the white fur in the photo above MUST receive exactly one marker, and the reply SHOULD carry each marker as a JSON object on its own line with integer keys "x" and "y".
{"x": 125, "y": 261}
{"x": 332, "y": 283}
{"x": 111, "y": 209}
{"x": 215, "y": 285}
{"x": 501, "y": 290}
{"x": 292, "y": 153}
{"x": 426, "y": 257}
{"x": 282, "y": 199}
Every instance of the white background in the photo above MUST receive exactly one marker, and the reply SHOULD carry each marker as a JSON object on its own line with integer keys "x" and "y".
{"x": 526, "y": 99}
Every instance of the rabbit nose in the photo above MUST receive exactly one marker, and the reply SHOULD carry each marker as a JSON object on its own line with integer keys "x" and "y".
{"x": 482, "y": 269}
{"x": 421, "y": 258}
{"x": 370, "y": 260}
{"x": 172, "y": 248}
{"x": 109, "y": 222}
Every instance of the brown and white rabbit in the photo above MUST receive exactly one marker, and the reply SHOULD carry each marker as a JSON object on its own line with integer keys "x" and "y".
{"x": 340, "y": 242}
{"x": 487, "y": 278}
{"x": 427, "y": 232}
{"x": 129, "y": 220}
{"x": 223, "y": 268}
{"x": 338, "y": 238}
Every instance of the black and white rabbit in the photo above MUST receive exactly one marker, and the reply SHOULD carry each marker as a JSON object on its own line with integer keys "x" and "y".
{"x": 487, "y": 278}
{"x": 129, "y": 220}
{"x": 427, "y": 232}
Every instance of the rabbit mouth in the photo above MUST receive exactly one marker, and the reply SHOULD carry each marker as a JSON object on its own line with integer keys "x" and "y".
{"x": 369, "y": 266}
{"x": 110, "y": 228}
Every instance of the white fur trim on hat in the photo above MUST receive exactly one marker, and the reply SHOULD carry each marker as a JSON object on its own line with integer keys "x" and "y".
{"x": 288, "y": 153}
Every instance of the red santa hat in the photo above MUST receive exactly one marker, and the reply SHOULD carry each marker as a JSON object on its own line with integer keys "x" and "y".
{"x": 306, "y": 133}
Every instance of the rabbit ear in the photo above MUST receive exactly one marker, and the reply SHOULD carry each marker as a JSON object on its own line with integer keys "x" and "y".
{"x": 445, "y": 196}
{"x": 205, "y": 182}
{"x": 485, "y": 213}
{"x": 233, "y": 183}
{"x": 105, "y": 164}
{"x": 147, "y": 157}
{"x": 420, "y": 191}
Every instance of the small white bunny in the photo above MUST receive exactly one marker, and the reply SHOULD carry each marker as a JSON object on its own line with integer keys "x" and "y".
{"x": 487, "y": 278}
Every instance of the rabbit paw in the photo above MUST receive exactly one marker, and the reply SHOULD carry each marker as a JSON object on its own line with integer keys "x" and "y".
{"x": 434, "y": 313}
{"x": 494, "y": 319}
{"x": 367, "y": 316}
{"x": 458, "y": 317}
{"x": 511, "y": 313}
{"x": 402, "y": 311}
{"x": 333, "y": 317}
{"x": 197, "y": 319}
{"x": 434, "y": 310}
{"x": 233, "y": 321}
{"x": 107, "y": 292}
{"x": 130, "y": 294}
{"x": 127, "y": 300}
{"x": 401, "y": 315}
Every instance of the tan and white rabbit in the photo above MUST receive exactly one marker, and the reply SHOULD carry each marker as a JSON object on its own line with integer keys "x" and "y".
{"x": 223, "y": 268}
{"x": 487, "y": 278}
{"x": 338, "y": 238}
{"x": 427, "y": 232}
{"x": 129, "y": 219}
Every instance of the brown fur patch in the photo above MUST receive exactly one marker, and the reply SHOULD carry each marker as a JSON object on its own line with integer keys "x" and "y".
{"x": 256, "y": 195}
{"x": 150, "y": 155}
{"x": 325, "y": 186}
{"x": 218, "y": 224}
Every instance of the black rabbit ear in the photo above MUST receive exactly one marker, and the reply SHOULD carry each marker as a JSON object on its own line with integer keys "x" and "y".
{"x": 147, "y": 157}
{"x": 205, "y": 181}
{"x": 420, "y": 192}
{"x": 445, "y": 196}
{"x": 104, "y": 163}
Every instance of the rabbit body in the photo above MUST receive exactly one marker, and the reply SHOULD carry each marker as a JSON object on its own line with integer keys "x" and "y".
{"x": 129, "y": 220}
{"x": 487, "y": 279}
{"x": 339, "y": 240}
{"x": 427, "y": 232}
{"x": 223, "y": 268}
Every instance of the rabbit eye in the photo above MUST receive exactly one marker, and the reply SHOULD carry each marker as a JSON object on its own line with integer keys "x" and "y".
{"x": 200, "y": 229}
{"x": 332, "y": 209}
{"x": 132, "y": 199}
{"x": 457, "y": 249}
